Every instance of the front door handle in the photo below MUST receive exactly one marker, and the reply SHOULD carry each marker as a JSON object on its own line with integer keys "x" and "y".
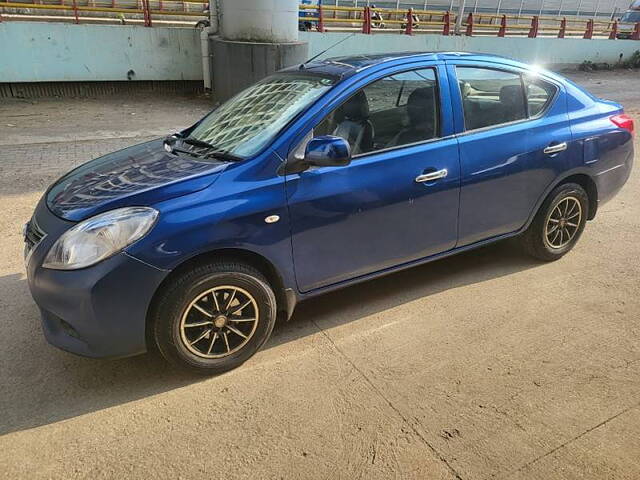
{"x": 551, "y": 149}
{"x": 431, "y": 176}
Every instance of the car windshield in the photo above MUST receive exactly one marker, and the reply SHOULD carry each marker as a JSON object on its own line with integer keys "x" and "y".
{"x": 631, "y": 17}
{"x": 243, "y": 125}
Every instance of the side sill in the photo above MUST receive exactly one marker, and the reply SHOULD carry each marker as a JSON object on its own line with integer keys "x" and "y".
{"x": 404, "y": 266}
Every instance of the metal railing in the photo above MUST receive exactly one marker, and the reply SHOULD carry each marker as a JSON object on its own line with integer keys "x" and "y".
{"x": 579, "y": 8}
{"x": 327, "y": 18}
{"x": 93, "y": 11}
{"x": 368, "y": 20}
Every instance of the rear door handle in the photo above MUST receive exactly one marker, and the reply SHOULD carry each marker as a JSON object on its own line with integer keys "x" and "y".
{"x": 431, "y": 176}
{"x": 551, "y": 149}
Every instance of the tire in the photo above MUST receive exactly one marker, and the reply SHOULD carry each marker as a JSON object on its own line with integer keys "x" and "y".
{"x": 193, "y": 308}
{"x": 550, "y": 245}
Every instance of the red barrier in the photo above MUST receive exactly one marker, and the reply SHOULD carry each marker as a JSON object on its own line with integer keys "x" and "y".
{"x": 563, "y": 27}
{"x": 320, "y": 19}
{"x": 614, "y": 31}
{"x": 535, "y": 23}
{"x": 503, "y": 26}
{"x": 470, "y": 25}
{"x": 446, "y": 26}
{"x": 366, "y": 24}
{"x": 636, "y": 32}
{"x": 146, "y": 13}
{"x": 75, "y": 11}
{"x": 409, "y": 29}
{"x": 588, "y": 34}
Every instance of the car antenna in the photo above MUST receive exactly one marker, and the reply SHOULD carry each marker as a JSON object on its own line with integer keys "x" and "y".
{"x": 325, "y": 51}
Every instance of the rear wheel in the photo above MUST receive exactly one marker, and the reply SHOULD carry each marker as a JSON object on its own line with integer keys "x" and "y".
{"x": 214, "y": 317}
{"x": 558, "y": 224}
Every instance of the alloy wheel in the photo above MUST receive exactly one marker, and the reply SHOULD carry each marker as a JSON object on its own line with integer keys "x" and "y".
{"x": 219, "y": 322}
{"x": 563, "y": 222}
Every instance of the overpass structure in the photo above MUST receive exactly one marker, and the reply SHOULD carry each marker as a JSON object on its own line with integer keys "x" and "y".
{"x": 247, "y": 39}
{"x": 192, "y": 12}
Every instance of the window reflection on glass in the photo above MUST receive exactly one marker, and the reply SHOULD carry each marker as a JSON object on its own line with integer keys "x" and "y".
{"x": 539, "y": 94}
{"x": 396, "y": 110}
{"x": 247, "y": 122}
{"x": 490, "y": 97}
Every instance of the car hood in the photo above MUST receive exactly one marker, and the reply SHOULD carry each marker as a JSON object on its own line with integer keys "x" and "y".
{"x": 140, "y": 175}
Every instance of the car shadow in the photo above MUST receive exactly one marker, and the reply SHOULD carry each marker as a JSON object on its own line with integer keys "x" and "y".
{"x": 42, "y": 385}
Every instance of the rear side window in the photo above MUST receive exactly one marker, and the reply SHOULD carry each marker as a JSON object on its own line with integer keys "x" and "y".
{"x": 539, "y": 94}
{"x": 490, "y": 97}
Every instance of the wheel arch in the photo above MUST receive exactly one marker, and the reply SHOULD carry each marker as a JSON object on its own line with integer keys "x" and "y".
{"x": 285, "y": 297}
{"x": 581, "y": 178}
{"x": 589, "y": 185}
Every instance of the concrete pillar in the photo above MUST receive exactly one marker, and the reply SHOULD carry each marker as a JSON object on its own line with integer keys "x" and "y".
{"x": 257, "y": 38}
{"x": 270, "y": 21}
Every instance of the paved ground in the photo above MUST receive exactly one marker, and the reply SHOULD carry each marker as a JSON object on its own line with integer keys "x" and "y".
{"x": 484, "y": 365}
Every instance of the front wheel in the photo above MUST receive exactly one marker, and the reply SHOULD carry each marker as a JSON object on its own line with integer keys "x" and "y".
{"x": 558, "y": 224}
{"x": 214, "y": 317}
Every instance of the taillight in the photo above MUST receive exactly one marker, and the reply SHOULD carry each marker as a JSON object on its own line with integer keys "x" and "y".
{"x": 623, "y": 121}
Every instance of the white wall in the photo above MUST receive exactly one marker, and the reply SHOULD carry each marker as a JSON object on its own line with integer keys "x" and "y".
{"x": 46, "y": 52}
{"x": 42, "y": 52}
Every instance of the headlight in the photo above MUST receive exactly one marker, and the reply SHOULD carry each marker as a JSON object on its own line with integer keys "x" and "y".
{"x": 99, "y": 237}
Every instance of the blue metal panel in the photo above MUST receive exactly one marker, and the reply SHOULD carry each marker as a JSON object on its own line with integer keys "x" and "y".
{"x": 351, "y": 221}
{"x": 230, "y": 216}
{"x": 605, "y": 149}
{"x": 503, "y": 168}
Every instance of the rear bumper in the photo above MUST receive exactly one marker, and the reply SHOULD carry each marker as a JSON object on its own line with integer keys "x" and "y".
{"x": 99, "y": 311}
{"x": 613, "y": 175}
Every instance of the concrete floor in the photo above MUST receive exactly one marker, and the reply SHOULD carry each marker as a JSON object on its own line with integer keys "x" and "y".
{"x": 485, "y": 365}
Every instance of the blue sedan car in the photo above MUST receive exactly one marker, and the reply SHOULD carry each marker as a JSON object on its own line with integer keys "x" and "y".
{"x": 319, "y": 176}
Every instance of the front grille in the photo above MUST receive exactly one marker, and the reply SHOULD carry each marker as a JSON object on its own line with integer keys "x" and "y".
{"x": 33, "y": 234}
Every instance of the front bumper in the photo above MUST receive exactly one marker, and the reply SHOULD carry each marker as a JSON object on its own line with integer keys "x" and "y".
{"x": 98, "y": 311}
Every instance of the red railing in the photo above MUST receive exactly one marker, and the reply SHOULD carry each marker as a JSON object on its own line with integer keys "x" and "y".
{"x": 368, "y": 20}
{"x": 120, "y": 11}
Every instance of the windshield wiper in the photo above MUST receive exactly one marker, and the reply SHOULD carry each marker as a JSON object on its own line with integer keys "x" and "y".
{"x": 198, "y": 143}
{"x": 215, "y": 151}
{"x": 188, "y": 152}
{"x": 169, "y": 145}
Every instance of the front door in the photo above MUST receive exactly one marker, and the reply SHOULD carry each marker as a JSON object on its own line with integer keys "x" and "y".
{"x": 398, "y": 199}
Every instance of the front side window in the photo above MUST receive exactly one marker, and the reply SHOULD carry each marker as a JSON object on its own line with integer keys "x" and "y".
{"x": 396, "y": 110}
{"x": 244, "y": 124}
{"x": 490, "y": 97}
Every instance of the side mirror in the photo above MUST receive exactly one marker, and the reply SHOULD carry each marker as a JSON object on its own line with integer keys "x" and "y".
{"x": 327, "y": 151}
{"x": 323, "y": 151}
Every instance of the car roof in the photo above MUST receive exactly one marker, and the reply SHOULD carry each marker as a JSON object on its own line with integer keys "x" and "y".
{"x": 346, "y": 66}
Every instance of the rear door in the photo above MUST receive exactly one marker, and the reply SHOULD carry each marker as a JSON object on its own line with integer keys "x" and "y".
{"x": 507, "y": 136}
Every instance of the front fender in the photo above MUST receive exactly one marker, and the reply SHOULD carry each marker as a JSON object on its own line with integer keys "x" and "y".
{"x": 229, "y": 215}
